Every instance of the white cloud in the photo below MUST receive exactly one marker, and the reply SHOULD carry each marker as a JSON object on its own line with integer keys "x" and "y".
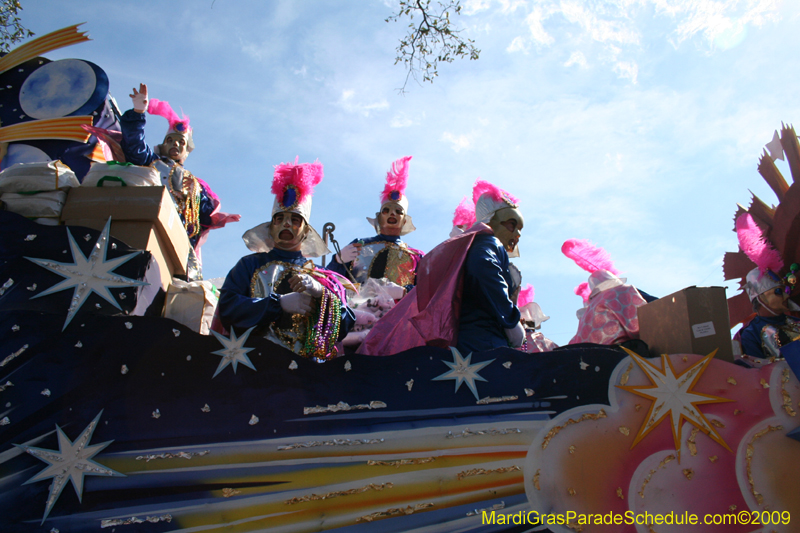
{"x": 460, "y": 142}
{"x": 301, "y": 72}
{"x": 598, "y": 29}
{"x": 538, "y": 33}
{"x": 472, "y": 7}
{"x": 517, "y": 45}
{"x": 577, "y": 58}
{"x": 348, "y": 103}
{"x": 627, "y": 70}
{"x": 401, "y": 120}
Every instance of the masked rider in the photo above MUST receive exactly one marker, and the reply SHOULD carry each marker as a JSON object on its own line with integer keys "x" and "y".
{"x": 278, "y": 289}
{"x": 197, "y": 204}
{"x": 384, "y": 255}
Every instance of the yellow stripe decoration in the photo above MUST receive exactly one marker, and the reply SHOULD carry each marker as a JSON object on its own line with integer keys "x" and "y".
{"x": 66, "y": 128}
{"x": 41, "y": 45}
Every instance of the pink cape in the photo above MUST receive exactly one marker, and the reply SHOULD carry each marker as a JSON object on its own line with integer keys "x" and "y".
{"x": 429, "y": 314}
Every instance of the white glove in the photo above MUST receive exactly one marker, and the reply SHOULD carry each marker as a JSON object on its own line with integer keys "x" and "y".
{"x": 139, "y": 98}
{"x": 348, "y": 253}
{"x": 395, "y": 291}
{"x": 516, "y": 335}
{"x": 307, "y": 284}
{"x": 296, "y": 303}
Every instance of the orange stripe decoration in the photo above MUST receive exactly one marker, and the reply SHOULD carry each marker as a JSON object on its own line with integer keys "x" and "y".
{"x": 41, "y": 45}
{"x": 67, "y": 129}
{"x": 97, "y": 154}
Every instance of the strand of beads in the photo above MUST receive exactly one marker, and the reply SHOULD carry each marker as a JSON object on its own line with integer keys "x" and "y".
{"x": 320, "y": 342}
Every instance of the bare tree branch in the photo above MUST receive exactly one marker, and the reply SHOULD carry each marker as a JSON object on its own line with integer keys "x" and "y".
{"x": 11, "y": 29}
{"x": 432, "y": 40}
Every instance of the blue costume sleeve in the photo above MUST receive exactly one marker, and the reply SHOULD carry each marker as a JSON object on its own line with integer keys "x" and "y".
{"x": 348, "y": 321}
{"x": 133, "y": 144}
{"x": 751, "y": 340}
{"x": 206, "y": 208}
{"x": 237, "y": 308}
{"x": 487, "y": 274}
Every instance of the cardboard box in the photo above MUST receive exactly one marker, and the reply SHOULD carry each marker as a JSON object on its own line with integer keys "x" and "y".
{"x": 142, "y": 217}
{"x": 693, "y": 320}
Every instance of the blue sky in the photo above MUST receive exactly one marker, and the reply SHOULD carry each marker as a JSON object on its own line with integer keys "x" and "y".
{"x": 636, "y": 124}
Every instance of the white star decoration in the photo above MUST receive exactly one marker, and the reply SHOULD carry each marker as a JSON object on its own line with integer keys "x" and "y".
{"x": 88, "y": 274}
{"x": 72, "y": 461}
{"x": 463, "y": 372}
{"x": 775, "y": 147}
{"x": 233, "y": 352}
{"x": 674, "y": 398}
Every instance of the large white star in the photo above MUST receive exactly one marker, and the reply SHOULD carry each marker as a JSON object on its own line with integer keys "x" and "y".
{"x": 775, "y": 147}
{"x": 88, "y": 274}
{"x": 674, "y": 398}
{"x": 72, "y": 461}
{"x": 463, "y": 372}
{"x": 233, "y": 352}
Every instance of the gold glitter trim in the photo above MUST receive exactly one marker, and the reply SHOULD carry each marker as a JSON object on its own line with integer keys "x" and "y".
{"x": 343, "y": 406}
{"x": 334, "y": 442}
{"x": 572, "y": 449}
{"x": 690, "y": 442}
{"x": 732, "y": 508}
{"x": 749, "y": 455}
{"x": 662, "y": 464}
{"x": 623, "y": 380}
{"x": 620, "y": 495}
{"x": 685, "y": 359}
{"x": 228, "y": 492}
{"x": 529, "y": 392}
{"x": 315, "y": 497}
{"x": 586, "y": 416}
{"x": 536, "y": 479}
{"x": 737, "y": 411}
{"x": 732, "y": 381}
{"x": 637, "y": 407}
{"x": 179, "y": 455}
{"x": 483, "y": 472}
{"x": 495, "y": 507}
{"x": 402, "y": 462}
{"x": 571, "y": 491}
{"x": 688, "y": 472}
{"x": 787, "y": 398}
{"x": 7, "y": 385}
{"x": 625, "y": 431}
{"x": 13, "y": 356}
{"x": 490, "y": 399}
{"x": 764, "y": 383}
{"x": 577, "y": 528}
{"x": 394, "y": 512}
{"x": 493, "y": 432}
{"x": 713, "y": 458}
{"x": 715, "y": 422}
{"x": 135, "y": 520}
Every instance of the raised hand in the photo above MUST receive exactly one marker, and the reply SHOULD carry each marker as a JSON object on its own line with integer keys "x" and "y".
{"x": 139, "y": 98}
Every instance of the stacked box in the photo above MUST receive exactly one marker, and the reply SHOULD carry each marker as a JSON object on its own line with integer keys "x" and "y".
{"x": 142, "y": 217}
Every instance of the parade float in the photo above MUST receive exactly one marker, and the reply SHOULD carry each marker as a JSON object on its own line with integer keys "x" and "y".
{"x": 115, "y": 418}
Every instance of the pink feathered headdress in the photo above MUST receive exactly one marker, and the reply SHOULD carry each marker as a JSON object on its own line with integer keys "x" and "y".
{"x": 488, "y": 199}
{"x": 583, "y": 290}
{"x": 465, "y": 214}
{"x": 589, "y": 257}
{"x": 293, "y": 183}
{"x": 753, "y": 244}
{"x": 176, "y": 124}
{"x": 396, "y": 180}
{"x": 525, "y": 296}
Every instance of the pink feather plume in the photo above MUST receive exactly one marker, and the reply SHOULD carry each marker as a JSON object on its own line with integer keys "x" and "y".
{"x": 163, "y": 109}
{"x": 465, "y": 214}
{"x": 589, "y": 257}
{"x": 482, "y": 187}
{"x": 396, "y": 179}
{"x": 525, "y": 296}
{"x": 755, "y": 246}
{"x": 304, "y": 176}
{"x": 583, "y": 291}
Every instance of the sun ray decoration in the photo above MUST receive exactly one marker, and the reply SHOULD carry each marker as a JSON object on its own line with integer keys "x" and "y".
{"x": 233, "y": 351}
{"x": 73, "y": 461}
{"x": 463, "y": 372}
{"x": 87, "y": 275}
{"x": 674, "y": 398}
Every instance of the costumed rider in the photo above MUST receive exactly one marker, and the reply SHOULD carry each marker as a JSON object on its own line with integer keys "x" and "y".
{"x": 384, "y": 255}
{"x": 772, "y": 328}
{"x": 609, "y": 312}
{"x": 278, "y": 289}
{"x": 198, "y": 206}
{"x": 532, "y": 318}
{"x": 464, "y": 289}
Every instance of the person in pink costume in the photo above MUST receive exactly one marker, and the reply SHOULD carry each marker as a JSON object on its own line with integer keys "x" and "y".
{"x": 454, "y": 303}
{"x": 532, "y": 318}
{"x": 609, "y": 313}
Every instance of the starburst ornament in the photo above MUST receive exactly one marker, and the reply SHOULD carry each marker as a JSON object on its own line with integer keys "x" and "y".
{"x": 674, "y": 398}
{"x": 73, "y": 461}
{"x": 87, "y": 275}
{"x": 775, "y": 147}
{"x": 463, "y": 372}
{"x": 233, "y": 352}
